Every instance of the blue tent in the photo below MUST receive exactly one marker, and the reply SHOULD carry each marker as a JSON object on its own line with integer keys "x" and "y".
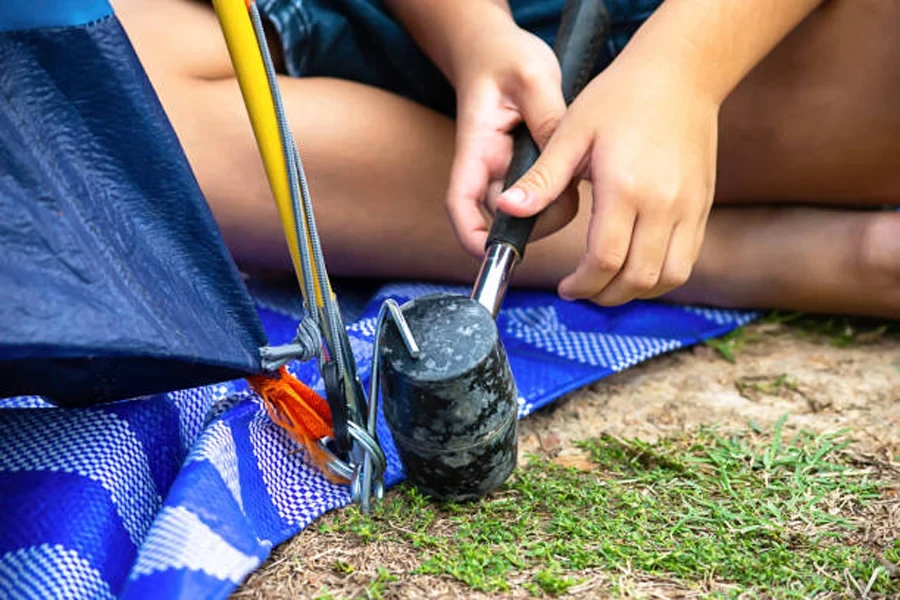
{"x": 115, "y": 280}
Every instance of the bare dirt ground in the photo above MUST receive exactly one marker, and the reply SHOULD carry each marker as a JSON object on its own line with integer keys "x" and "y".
{"x": 779, "y": 369}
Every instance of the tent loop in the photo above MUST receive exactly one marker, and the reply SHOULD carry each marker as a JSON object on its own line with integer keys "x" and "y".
{"x": 305, "y": 346}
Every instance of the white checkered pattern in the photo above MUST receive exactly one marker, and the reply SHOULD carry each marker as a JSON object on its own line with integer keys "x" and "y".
{"x": 719, "y": 316}
{"x": 365, "y": 327}
{"x": 180, "y": 540}
{"x": 524, "y": 408}
{"x": 298, "y": 491}
{"x": 193, "y": 409}
{"x": 223, "y": 406}
{"x": 93, "y": 444}
{"x": 24, "y": 402}
{"x": 44, "y": 572}
{"x": 541, "y": 328}
{"x": 216, "y": 446}
{"x": 362, "y": 348}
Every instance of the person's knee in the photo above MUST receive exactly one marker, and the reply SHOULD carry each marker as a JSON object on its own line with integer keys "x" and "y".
{"x": 879, "y": 246}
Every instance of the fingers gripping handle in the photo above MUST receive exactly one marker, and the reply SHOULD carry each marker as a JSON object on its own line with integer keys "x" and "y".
{"x": 579, "y": 41}
{"x": 515, "y": 231}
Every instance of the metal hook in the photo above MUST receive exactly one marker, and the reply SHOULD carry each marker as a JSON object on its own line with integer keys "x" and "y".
{"x": 363, "y": 482}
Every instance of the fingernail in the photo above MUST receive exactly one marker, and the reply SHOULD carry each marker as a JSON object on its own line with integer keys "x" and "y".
{"x": 515, "y": 196}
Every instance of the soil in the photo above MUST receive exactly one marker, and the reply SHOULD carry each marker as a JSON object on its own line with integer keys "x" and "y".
{"x": 823, "y": 385}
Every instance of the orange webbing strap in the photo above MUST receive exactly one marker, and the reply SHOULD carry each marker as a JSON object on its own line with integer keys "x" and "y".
{"x": 299, "y": 410}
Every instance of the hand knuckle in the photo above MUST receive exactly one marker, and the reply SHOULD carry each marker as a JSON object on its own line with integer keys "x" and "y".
{"x": 545, "y": 126}
{"x": 604, "y": 300}
{"x": 624, "y": 186}
{"x": 529, "y": 79}
{"x": 657, "y": 200}
{"x": 676, "y": 275}
{"x": 534, "y": 75}
{"x": 607, "y": 261}
{"x": 538, "y": 178}
{"x": 666, "y": 201}
{"x": 641, "y": 280}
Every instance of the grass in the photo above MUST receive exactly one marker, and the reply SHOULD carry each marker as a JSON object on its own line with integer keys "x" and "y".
{"x": 838, "y": 331}
{"x": 765, "y": 385}
{"x": 729, "y": 344}
{"x": 757, "y": 513}
{"x": 375, "y": 590}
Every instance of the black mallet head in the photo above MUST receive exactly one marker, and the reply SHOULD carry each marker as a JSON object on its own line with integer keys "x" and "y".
{"x": 453, "y": 410}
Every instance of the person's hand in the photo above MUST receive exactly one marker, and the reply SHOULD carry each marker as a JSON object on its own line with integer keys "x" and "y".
{"x": 502, "y": 76}
{"x": 648, "y": 143}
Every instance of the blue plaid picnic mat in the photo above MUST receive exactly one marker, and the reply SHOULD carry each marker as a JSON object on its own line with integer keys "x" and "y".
{"x": 182, "y": 495}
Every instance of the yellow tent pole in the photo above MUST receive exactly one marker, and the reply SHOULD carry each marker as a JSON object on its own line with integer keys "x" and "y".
{"x": 243, "y": 48}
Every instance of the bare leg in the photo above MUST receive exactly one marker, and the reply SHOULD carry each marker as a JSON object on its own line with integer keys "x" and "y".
{"x": 808, "y": 259}
{"x": 818, "y": 121}
{"x": 379, "y": 166}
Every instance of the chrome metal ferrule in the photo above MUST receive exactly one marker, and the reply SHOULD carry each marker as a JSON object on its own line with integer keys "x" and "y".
{"x": 494, "y": 276}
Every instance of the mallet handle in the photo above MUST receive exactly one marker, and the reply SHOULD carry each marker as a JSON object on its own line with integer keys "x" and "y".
{"x": 580, "y": 39}
{"x": 579, "y": 42}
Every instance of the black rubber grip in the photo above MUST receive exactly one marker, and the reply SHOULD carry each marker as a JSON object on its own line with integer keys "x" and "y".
{"x": 580, "y": 40}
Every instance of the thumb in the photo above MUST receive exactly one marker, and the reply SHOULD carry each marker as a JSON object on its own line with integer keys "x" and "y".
{"x": 549, "y": 176}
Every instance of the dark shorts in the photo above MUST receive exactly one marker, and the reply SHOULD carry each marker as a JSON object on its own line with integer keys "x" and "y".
{"x": 360, "y": 41}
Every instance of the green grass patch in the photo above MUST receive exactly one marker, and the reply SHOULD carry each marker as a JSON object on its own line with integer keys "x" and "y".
{"x": 840, "y": 331}
{"x": 765, "y": 385}
{"x": 728, "y": 344}
{"x": 892, "y": 554}
{"x": 764, "y": 514}
{"x": 550, "y": 582}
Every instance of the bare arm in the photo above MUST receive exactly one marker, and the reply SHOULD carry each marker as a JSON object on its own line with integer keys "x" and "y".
{"x": 444, "y": 29}
{"x": 711, "y": 45}
{"x": 645, "y": 131}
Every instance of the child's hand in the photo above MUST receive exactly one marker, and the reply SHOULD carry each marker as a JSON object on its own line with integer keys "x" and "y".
{"x": 648, "y": 144}
{"x": 503, "y": 75}
{"x": 644, "y": 131}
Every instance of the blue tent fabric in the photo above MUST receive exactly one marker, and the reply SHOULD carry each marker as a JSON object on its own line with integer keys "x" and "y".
{"x": 181, "y": 495}
{"x": 40, "y": 14}
{"x": 115, "y": 279}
